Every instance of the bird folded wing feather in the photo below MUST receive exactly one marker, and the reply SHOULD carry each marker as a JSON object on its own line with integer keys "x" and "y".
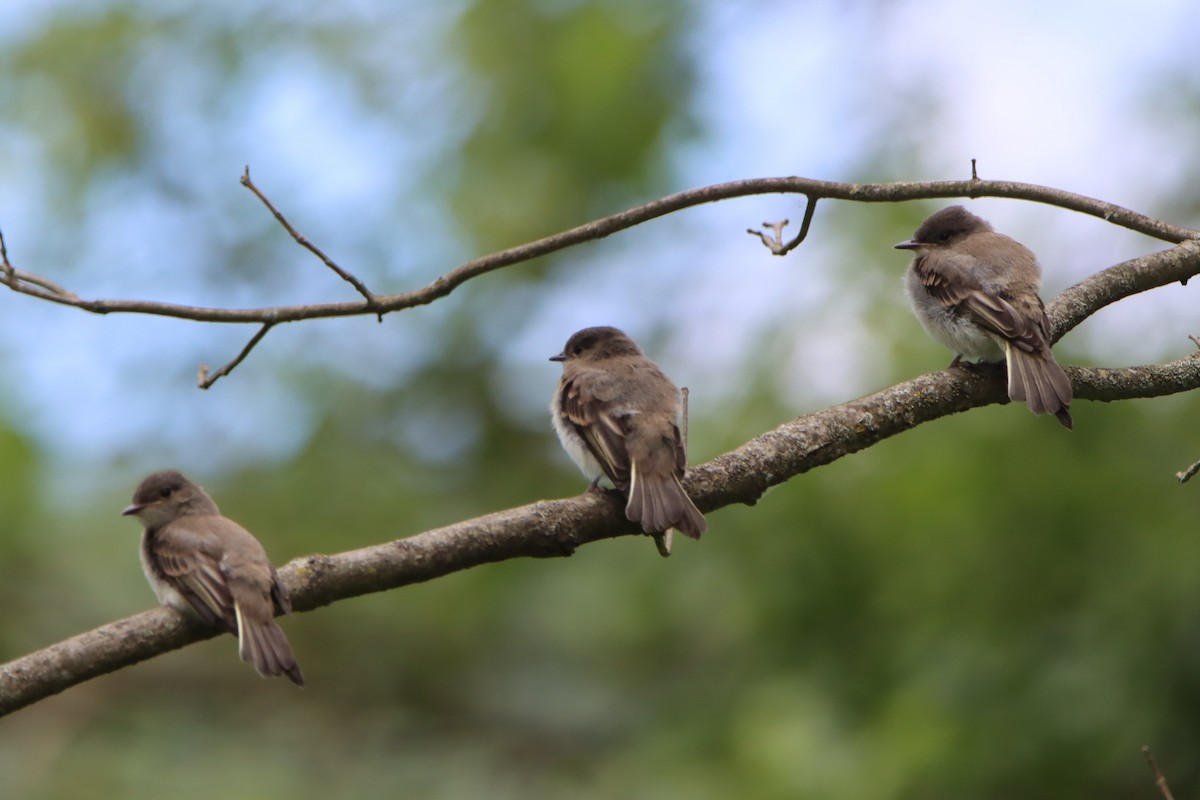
{"x": 603, "y": 433}
{"x": 190, "y": 560}
{"x": 949, "y": 293}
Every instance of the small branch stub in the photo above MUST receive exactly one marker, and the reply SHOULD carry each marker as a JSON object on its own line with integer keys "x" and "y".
{"x": 775, "y": 242}
{"x": 205, "y": 379}
{"x": 4, "y": 262}
{"x": 1160, "y": 780}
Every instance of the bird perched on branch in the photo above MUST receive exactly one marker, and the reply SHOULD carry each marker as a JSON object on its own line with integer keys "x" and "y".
{"x": 616, "y": 415}
{"x": 201, "y": 563}
{"x": 976, "y": 292}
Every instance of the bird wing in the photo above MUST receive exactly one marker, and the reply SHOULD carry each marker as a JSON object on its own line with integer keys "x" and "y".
{"x": 189, "y": 558}
{"x": 956, "y": 288}
{"x": 1028, "y": 332}
{"x": 951, "y": 284}
{"x": 585, "y": 400}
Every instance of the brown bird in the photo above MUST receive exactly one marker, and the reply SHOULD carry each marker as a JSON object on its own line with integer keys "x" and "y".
{"x": 616, "y": 414}
{"x": 199, "y": 562}
{"x": 976, "y": 292}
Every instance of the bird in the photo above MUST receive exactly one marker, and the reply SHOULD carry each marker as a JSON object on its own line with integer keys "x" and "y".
{"x": 976, "y": 292}
{"x": 616, "y": 414}
{"x": 201, "y": 563}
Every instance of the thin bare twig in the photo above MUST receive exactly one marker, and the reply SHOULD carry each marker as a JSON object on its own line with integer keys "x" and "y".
{"x": 1160, "y": 780}
{"x": 13, "y": 277}
{"x": 1187, "y": 474}
{"x": 775, "y": 243}
{"x": 4, "y": 262}
{"x": 204, "y": 380}
{"x": 21, "y": 281}
{"x": 306, "y": 244}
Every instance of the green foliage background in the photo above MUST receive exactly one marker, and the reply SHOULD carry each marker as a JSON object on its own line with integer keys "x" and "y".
{"x": 985, "y": 607}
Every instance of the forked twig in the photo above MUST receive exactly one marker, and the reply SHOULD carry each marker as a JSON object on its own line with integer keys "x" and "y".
{"x": 307, "y": 245}
{"x": 1160, "y": 780}
{"x": 775, "y": 242}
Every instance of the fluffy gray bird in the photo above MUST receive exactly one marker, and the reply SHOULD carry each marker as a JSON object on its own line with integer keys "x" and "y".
{"x": 201, "y": 563}
{"x": 976, "y": 292}
{"x": 616, "y": 414}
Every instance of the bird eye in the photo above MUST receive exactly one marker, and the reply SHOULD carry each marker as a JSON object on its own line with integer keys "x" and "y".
{"x": 166, "y": 491}
{"x": 944, "y": 236}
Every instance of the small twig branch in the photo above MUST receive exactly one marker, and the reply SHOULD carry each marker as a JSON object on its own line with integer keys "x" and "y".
{"x": 24, "y": 282}
{"x": 7, "y": 266}
{"x": 774, "y": 240}
{"x": 1187, "y": 474}
{"x": 683, "y": 404}
{"x": 14, "y": 278}
{"x": 303, "y": 241}
{"x": 1160, "y": 780}
{"x": 775, "y": 243}
{"x": 205, "y": 379}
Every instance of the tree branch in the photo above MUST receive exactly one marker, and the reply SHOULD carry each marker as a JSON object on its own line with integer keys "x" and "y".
{"x": 378, "y": 305}
{"x": 1176, "y": 265}
{"x": 606, "y": 226}
{"x": 557, "y": 527}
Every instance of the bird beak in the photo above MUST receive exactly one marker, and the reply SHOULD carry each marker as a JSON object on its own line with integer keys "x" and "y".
{"x": 559, "y": 357}
{"x": 131, "y": 509}
{"x": 911, "y": 244}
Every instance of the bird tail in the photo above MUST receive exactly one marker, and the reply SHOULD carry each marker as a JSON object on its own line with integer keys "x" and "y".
{"x": 1037, "y": 379}
{"x": 658, "y": 503}
{"x": 264, "y": 644}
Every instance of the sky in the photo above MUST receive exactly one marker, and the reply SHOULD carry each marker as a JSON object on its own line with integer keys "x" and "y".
{"x": 1052, "y": 94}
